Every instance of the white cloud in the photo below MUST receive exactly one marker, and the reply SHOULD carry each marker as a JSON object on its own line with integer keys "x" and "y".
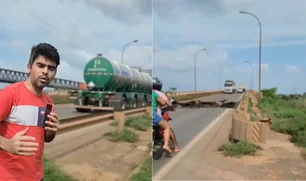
{"x": 255, "y": 44}
{"x": 291, "y": 69}
{"x": 217, "y": 23}
{"x": 121, "y": 9}
{"x": 79, "y": 30}
{"x": 133, "y": 56}
{"x": 183, "y": 58}
{"x": 265, "y": 66}
{"x": 176, "y": 67}
{"x": 220, "y": 20}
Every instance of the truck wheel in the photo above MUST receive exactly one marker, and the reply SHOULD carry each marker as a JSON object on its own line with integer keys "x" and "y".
{"x": 123, "y": 104}
{"x": 82, "y": 110}
{"x": 143, "y": 103}
{"x": 135, "y": 103}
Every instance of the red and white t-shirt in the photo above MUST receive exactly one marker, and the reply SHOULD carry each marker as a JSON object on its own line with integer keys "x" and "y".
{"x": 20, "y": 108}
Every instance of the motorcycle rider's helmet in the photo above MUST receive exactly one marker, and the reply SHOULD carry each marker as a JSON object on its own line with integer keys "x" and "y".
{"x": 157, "y": 84}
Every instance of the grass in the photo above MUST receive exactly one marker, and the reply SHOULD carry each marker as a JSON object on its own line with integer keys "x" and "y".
{"x": 189, "y": 97}
{"x": 252, "y": 115}
{"x": 238, "y": 149}
{"x": 114, "y": 123}
{"x": 126, "y": 135}
{"x": 53, "y": 173}
{"x": 250, "y": 105}
{"x": 145, "y": 172}
{"x": 288, "y": 114}
{"x": 141, "y": 123}
{"x": 186, "y": 97}
{"x": 62, "y": 99}
{"x": 303, "y": 153}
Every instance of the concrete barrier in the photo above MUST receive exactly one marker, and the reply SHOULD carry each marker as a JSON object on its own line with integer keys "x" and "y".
{"x": 243, "y": 128}
{"x": 119, "y": 116}
{"x": 259, "y": 132}
{"x": 254, "y": 132}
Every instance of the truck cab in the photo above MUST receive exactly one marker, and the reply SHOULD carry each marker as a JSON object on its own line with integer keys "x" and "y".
{"x": 240, "y": 90}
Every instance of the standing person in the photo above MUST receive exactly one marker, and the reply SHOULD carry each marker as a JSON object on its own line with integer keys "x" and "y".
{"x": 21, "y": 113}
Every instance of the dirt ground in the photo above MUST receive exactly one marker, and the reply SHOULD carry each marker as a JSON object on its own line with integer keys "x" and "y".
{"x": 87, "y": 155}
{"x": 279, "y": 160}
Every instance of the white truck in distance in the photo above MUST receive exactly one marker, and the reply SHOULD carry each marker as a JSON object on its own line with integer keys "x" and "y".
{"x": 241, "y": 89}
{"x": 229, "y": 86}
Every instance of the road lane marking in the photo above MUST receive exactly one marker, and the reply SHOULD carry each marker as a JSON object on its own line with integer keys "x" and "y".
{"x": 170, "y": 164}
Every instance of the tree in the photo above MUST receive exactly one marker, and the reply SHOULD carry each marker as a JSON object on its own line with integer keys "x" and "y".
{"x": 173, "y": 89}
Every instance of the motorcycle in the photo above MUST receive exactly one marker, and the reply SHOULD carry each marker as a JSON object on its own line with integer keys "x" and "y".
{"x": 158, "y": 138}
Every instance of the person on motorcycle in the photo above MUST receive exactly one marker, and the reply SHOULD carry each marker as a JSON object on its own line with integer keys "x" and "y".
{"x": 157, "y": 86}
{"x": 158, "y": 120}
{"x": 173, "y": 101}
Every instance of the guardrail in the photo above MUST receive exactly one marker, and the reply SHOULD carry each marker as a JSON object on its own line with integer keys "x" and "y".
{"x": 194, "y": 93}
{"x": 78, "y": 122}
{"x": 68, "y": 92}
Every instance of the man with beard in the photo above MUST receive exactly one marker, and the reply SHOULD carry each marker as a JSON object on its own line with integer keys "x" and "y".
{"x": 21, "y": 114}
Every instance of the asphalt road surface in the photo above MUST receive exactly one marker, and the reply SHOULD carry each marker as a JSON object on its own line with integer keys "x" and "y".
{"x": 65, "y": 111}
{"x": 217, "y": 97}
{"x": 189, "y": 122}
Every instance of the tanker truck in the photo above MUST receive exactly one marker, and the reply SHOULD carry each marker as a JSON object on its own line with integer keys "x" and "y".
{"x": 113, "y": 86}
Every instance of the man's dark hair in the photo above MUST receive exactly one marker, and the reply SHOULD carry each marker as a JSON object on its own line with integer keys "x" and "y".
{"x": 46, "y": 50}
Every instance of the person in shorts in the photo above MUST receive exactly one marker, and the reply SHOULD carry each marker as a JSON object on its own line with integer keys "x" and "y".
{"x": 157, "y": 88}
{"x": 158, "y": 120}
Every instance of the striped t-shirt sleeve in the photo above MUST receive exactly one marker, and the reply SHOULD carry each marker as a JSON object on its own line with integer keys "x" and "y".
{"x": 6, "y": 103}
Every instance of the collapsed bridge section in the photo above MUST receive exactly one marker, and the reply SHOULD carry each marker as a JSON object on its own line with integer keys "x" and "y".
{"x": 220, "y": 100}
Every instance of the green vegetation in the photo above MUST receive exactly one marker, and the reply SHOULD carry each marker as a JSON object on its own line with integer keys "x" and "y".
{"x": 126, "y": 135}
{"x": 288, "y": 114}
{"x": 53, "y": 173}
{"x": 252, "y": 115}
{"x": 141, "y": 123}
{"x": 145, "y": 172}
{"x": 250, "y": 104}
{"x": 189, "y": 97}
{"x": 303, "y": 152}
{"x": 62, "y": 100}
{"x": 171, "y": 90}
{"x": 238, "y": 149}
{"x": 114, "y": 123}
{"x": 186, "y": 97}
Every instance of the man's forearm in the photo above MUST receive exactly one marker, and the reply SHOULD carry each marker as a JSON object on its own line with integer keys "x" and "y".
{"x": 49, "y": 136}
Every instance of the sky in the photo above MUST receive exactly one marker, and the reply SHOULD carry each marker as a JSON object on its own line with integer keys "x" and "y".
{"x": 181, "y": 28}
{"x": 169, "y": 34}
{"x": 79, "y": 30}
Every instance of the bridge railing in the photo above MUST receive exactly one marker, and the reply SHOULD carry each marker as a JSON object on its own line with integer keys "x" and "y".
{"x": 12, "y": 76}
{"x": 173, "y": 94}
{"x": 68, "y": 92}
